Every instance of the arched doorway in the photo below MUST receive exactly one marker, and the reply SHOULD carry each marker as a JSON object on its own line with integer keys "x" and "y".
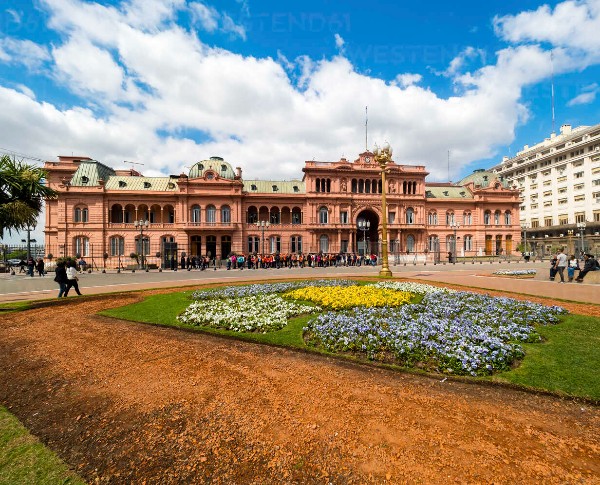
{"x": 366, "y": 237}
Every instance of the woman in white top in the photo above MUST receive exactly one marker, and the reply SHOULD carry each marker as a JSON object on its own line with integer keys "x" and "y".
{"x": 72, "y": 278}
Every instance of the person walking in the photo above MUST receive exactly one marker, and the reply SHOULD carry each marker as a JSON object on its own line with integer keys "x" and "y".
{"x": 30, "y": 266}
{"x": 72, "y": 279}
{"x": 61, "y": 278}
{"x": 561, "y": 264}
{"x": 40, "y": 267}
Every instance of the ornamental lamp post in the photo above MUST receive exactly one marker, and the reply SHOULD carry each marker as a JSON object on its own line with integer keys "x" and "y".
{"x": 364, "y": 226}
{"x": 383, "y": 156}
{"x": 142, "y": 224}
{"x": 262, "y": 225}
{"x": 454, "y": 226}
{"x": 524, "y": 228}
{"x": 581, "y": 227}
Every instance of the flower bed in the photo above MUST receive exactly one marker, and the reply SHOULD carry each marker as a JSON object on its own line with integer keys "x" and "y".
{"x": 338, "y": 298}
{"x": 517, "y": 272}
{"x": 255, "y": 313}
{"x": 447, "y": 331}
{"x": 462, "y": 333}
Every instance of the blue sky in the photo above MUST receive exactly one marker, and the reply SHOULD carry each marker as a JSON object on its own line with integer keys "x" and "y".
{"x": 268, "y": 85}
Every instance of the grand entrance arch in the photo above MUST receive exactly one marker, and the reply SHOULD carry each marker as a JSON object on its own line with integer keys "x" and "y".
{"x": 367, "y": 238}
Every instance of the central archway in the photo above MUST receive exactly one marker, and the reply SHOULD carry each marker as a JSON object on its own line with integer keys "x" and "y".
{"x": 367, "y": 240}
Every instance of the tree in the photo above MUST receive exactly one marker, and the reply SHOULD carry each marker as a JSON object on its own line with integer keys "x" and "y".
{"x": 22, "y": 193}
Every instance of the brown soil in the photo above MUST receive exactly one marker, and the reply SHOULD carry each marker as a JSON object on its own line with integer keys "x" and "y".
{"x": 132, "y": 403}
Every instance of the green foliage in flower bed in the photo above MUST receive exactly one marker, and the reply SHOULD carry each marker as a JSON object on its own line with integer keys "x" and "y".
{"x": 23, "y": 459}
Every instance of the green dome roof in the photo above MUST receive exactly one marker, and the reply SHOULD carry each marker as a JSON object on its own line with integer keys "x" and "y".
{"x": 214, "y": 164}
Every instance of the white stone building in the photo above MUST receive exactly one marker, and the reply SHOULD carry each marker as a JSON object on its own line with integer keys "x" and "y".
{"x": 559, "y": 182}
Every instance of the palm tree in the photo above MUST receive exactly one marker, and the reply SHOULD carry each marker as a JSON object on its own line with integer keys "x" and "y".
{"x": 22, "y": 193}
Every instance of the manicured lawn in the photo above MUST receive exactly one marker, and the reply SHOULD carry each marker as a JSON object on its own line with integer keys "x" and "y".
{"x": 566, "y": 362}
{"x": 24, "y": 460}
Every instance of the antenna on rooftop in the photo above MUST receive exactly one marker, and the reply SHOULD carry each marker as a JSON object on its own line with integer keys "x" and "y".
{"x": 552, "y": 86}
{"x": 132, "y": 163}
{"x": 366, "y": 128}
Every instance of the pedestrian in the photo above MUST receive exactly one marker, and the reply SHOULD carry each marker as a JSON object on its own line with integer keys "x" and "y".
{"x": 61, "y": 278}
{"x": 40, "y": 267}
{"x": 72, "y": 279}
{"x": 553, "y": 267}
{"x": 82, "y": 265}
{"x": 590, "y": 264}
{"x": 572, "y": 267}
{"x": 561, "y": 264}
{"x": 22, "y": 265}
{"x": 30, "y": 266}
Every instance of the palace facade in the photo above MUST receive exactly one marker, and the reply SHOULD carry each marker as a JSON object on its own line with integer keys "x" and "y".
{"x": 213, "y": 210}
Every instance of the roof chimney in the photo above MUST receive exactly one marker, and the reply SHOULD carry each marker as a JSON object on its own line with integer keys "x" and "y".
{"x": 565, "y": 130}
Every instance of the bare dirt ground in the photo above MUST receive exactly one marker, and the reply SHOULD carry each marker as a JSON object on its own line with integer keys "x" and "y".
{"x": 130, "y": 403}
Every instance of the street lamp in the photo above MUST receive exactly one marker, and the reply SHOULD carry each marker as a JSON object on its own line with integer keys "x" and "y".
{"x": 141, "y": 224}
{"x": 581, "y": 227}
{"x": 364, "y": 226}
{"x": 524, "y": 228}
{"x": 262, "y": 225}
{"x": 455, "y": 226}
{"x": 383, "y": 156}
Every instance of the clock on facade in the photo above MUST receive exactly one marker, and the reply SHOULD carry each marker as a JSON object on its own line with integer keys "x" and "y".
{"x": 367, "y": 159}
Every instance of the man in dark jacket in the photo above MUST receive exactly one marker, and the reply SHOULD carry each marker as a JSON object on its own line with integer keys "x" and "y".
{"x": 589, "y": 264}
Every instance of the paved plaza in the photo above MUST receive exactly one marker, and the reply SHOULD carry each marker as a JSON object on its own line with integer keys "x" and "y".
{"x": 480, "y": 275}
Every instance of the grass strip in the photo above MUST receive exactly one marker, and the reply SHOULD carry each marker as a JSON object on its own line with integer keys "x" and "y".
{"x": 24, "y": 460}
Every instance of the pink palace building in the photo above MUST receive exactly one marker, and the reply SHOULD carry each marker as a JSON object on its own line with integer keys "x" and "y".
{"x": 105, "y": 214}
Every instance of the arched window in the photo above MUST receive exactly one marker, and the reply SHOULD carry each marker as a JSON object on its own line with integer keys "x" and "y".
{"x": 80, "y": 214}
{"x": 467, "y": 219}
{"x": 81, "y": 244}
{"x": 410, "y": 244}
{"x": 145, "y": 250}
{"x": 117, "y": 246}
{"x": 354, "y": 186}
{"x": 410, "y": 216}
{"x": 225, "y": 214}
{"x": 449, "y": 218}
{"x": 252, "y": 215}
{"x": 116, "y": 213}
{"x": 318, "y": 185}
{"x": 323, "y": 215}
{"x": 367, "y": 186}
{"x": 507, "y": 218}
{"x": 433, "y": 243}
{"x": 296, "y": 215}
{"x": 169, "y": 211}
{"x": 196, "y": 217}
{"x": 432, "y": 219}
{"x": 487, "y": 218}
{"x": 468, "y": 242}
{"x": 211, "y": 214}
{"x": 497, "y": 217}
{"x": 275, "y": 215}
{"x": 324, "y": 244}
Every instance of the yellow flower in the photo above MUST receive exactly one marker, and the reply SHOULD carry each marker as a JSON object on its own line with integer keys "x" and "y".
{"x": 338, "y": 297}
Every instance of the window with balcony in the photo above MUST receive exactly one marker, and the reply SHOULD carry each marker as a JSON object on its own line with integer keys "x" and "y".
{"x": 344, "y": 217}
{"x": 225, "y": 214}
{"x": 81, "y": 245}
{"x": 579, "y": 198}
{"x": 578, "y": 175}
{"x": 211, "y": 214}
{"x": 580, "y": 217}
{"x": 117, "y": 246}
{"x": 547, "y": 221}
{"x": 80, "y": 214}
{"x": 196, "y": 214}
{"x": 563, "y": 220}
{"x": 410, "y": 215}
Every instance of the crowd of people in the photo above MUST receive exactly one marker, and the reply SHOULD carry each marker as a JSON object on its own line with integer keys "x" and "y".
{"x": 277, "y": 260}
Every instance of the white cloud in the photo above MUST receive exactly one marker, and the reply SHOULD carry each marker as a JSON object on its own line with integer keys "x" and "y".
{"x": 16, "y": 16}
{"x": 207, "y": 17}
{"x": 408, "y": 79}
{"x": 572, "y": 24}
{"x": 211, "y": 20}
{"x": 339, "y": 42}
{"x": 88, "y": 69}
{"x": 24, "y": 52}
{"x": 461, "y": 61}
{"x": 587, "y": 96}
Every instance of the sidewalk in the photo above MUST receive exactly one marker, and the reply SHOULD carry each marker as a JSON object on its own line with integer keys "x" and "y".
{"x": 22, "y": 288}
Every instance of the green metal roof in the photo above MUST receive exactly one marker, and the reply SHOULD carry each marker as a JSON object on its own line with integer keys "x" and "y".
{"x": 141, "y": 183}
{"x": 274, "y": 187}
{"x": 447, "y": 192}
{"x": 89, "y": 173}
{"x": 483, "y": 178}
{"x": 215, "y": 164}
